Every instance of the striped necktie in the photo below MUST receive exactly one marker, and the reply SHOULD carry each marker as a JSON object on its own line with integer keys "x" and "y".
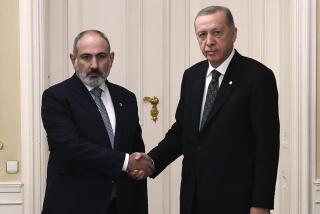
{"x": 104, "y": 114}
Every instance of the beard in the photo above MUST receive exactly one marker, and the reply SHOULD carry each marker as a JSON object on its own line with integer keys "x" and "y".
{"x": 93, "y": 81}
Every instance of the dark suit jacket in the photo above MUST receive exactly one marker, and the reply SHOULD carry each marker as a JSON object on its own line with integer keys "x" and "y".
{"x": 231, "y": 164}
{"x": 82, "y": 166}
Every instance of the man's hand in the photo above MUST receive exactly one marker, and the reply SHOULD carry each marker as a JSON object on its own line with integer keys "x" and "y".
{"x": 257, "y": 210}
{"x": 140, "y": 166}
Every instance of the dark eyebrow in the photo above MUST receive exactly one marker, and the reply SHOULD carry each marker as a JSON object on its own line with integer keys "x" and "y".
{"x": 83, "y": 54}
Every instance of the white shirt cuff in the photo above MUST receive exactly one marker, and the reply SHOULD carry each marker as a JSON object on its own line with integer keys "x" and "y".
{"x": 125, "y": 163}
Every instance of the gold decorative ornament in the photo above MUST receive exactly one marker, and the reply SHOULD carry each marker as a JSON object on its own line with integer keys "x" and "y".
{"x": 154, "y": 101}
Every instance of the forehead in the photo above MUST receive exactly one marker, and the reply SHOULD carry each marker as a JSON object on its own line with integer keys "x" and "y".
{"x": 215, "y": 20}
{"x": 92, "y": 43}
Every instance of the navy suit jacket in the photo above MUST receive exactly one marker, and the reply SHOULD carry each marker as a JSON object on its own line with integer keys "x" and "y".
{"x": 83, "y": 167}
{"x": 231, "y": 165}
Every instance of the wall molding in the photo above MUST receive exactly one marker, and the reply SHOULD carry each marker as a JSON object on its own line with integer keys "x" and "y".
{"x": 11, "y": 193}
{"x": 32, "y": 28}
{"x": 315, "y": 189}
{"x": 10, "y": 187}
{"x": 300, "y": 186}
{"x": 56, "y": 29}
{"x": 316, "y": 198}
{"x": 134, "y": 59}
{"x": 166, "y": 11}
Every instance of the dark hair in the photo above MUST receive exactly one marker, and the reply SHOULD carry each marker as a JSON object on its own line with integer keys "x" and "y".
{"x": 80, "y": 35}
{"x": 213, "y": 9}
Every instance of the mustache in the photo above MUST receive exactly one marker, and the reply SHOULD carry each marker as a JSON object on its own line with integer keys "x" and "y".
{"x": 94, "y": 71}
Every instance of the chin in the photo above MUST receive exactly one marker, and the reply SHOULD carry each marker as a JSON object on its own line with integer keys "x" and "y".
{"x": 93, "y": 81}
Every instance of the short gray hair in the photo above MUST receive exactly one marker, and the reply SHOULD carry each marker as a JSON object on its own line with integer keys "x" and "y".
{"x": 213, "y": 9}
{"x": 81, "y": 34}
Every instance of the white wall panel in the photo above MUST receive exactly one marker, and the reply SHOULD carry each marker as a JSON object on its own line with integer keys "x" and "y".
{"x": 57, "y": 55}
{"x": 11, "y": 198}
{"x": 316, "y": 197}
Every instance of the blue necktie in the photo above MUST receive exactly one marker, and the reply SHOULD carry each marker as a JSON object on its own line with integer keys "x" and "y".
{"x": 211, "y": 96}
{"x": 104, "y": 114}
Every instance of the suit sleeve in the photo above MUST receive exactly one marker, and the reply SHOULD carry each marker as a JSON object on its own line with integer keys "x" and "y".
{"x": 71, "y": 149}
{"x": 266, "y": 128}
{"x": 170, "y": 148}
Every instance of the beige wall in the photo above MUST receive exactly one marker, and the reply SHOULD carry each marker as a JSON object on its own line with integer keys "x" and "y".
{"x": 318, "y": 91}
{"x": 9, "y": 86}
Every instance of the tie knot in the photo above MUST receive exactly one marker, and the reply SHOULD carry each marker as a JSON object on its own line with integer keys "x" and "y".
{"x": 96, "y": 92}
{"x": 215, "y": 74}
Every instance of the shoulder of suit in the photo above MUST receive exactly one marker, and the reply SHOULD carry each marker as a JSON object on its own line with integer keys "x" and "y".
{"x": 253, "y": 66}
{"x": 120, "y": 89}
{"x": 199, "y": 65}
{"x": 253, "y": 63}
{"x": 61, "y": 86}
{"x": 256, "y": 72}
{"x": 194, "y": 69}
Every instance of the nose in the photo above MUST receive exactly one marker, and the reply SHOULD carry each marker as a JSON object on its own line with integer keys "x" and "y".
{"x": 210, "y": 40}
{"x": 94, "y": 63}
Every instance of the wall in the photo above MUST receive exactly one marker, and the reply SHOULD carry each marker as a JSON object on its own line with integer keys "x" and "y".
{"x": 318, "y": 92}
{"x": 9, "y": 87}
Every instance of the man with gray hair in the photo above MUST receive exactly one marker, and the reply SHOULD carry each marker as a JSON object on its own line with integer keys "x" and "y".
{"x": 226, "y": 128}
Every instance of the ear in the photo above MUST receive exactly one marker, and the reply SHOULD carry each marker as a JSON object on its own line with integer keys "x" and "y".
{"x": 235, "y": 30}
{"x": 111, "y": 58}
{"x": 72, "y": 58}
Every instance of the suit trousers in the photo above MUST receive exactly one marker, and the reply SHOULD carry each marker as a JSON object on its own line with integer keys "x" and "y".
{"x": 113, "y": 209}
{"x": 195, "y": 204}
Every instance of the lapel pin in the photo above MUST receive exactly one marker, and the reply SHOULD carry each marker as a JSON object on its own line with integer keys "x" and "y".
{"x": 120, "y": 104}
{"x": 230, "y": 83}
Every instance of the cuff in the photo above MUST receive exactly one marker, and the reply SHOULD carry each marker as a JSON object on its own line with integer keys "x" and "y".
{"x": 125, "y": 163}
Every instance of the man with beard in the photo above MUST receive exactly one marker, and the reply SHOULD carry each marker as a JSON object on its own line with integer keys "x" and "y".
{"x": 92, "y": 126}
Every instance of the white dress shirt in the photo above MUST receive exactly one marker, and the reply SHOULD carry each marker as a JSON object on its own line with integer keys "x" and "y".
{"x": 107, "y": 102}
{"x": 222, "y": 70}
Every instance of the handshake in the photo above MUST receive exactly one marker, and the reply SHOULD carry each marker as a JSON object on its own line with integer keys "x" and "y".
{"x": 140, "y": 166}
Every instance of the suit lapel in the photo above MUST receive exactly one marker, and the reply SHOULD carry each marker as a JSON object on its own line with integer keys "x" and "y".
{"x": 199, "y": 84}
{"x": 87, "y": 102}
{"x": 229, "y": 83}
{"x": 119, "y": 113}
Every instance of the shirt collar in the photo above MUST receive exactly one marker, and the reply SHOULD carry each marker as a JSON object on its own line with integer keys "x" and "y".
{"x": 223, "y": 67}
